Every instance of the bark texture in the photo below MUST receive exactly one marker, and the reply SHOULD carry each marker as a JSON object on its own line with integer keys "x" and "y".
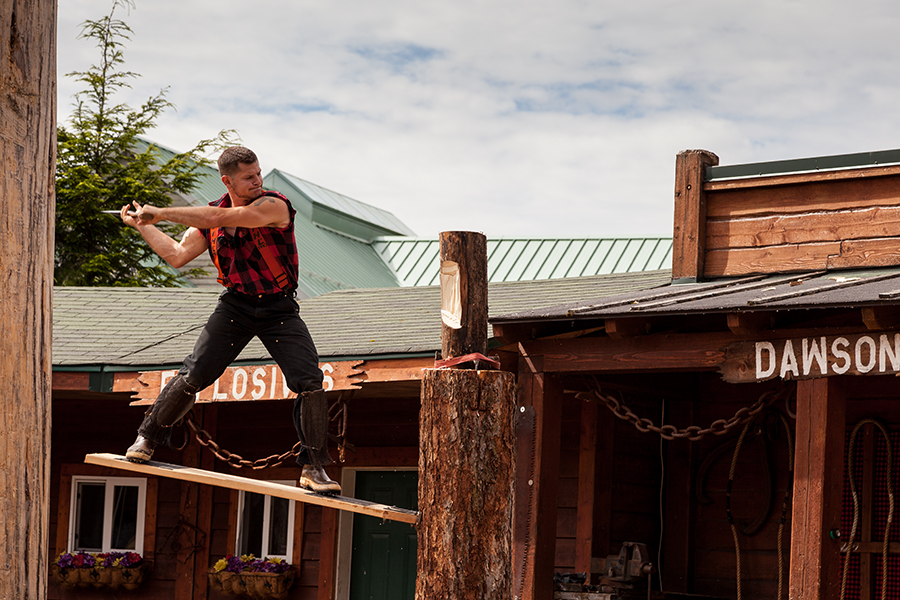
{"x": 466, "y": 485}
{"x": 27, "y": 163}
{"x": 469, "y": 250}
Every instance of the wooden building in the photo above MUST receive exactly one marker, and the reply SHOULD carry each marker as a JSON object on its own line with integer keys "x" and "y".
{"x": 373, "y": 345}
{"x": 782, "y": 307}
{"x": 775, "y": 333}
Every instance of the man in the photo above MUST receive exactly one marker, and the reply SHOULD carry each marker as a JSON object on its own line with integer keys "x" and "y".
{"x": 249, "y": 234}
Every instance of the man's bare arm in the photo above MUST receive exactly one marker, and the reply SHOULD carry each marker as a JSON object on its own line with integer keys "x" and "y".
{"x": 265, "y": 211}
{"x": 176, "y": 253}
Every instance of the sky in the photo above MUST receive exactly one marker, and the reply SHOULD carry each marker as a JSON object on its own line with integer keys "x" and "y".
{"x": 516, "y": 118}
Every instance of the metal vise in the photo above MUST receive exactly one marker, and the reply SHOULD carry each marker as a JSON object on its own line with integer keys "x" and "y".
{"x": 632, "y": 563}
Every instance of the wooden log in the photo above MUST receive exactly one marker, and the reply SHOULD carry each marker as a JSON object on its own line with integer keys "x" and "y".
{"x": 818, "y": 471}
{"x": 27, "y": 165}
{"x": 234, "y": 482}
{"x": 467, "y": 251}
{"x": 466, "y": 484}
{"x": 689, "y": 233}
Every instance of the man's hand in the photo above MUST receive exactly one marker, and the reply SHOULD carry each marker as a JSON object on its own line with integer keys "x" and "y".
{"x": 142, "y": 215}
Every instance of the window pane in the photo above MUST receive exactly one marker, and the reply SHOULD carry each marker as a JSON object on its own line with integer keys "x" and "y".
{"x": 278, "y": 527}
{"x": 252, "y": 524}
{"x": 125, "y": 514}
{"x": 89, "y": 516}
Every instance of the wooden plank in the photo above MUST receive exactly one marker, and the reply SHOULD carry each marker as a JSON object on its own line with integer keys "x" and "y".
{"x": 689, "y": 233}
{"x": 818, "y": 484}
{"x": 640, "y": 353}
{"x": 806, "y": 197}
{"x": 680, "y": 532}
{"x": 804, "y": 228}
{"x": 544, "y": 393}
{"x": 587, "y": 487}
{"x": 771, "y": 259}
{"x": 799, "y": 178}
{"x": 364, "y": 507}
{"x": 879, "y": 252}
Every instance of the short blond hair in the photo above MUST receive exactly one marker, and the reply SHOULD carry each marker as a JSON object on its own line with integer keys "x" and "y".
{"x": 233, "y": 156}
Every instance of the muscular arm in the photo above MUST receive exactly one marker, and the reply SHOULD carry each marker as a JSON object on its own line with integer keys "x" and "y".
{"x": 176, "y": 253}
{"x": 265, "y": 211}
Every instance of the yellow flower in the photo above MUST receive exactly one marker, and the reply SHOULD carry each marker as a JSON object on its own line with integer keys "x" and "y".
{"x": 221, "y": 564}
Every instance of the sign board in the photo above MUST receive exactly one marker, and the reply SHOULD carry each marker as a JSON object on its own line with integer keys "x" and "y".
{"x": 812, "y": 357}
{"x": 267, "y": 382}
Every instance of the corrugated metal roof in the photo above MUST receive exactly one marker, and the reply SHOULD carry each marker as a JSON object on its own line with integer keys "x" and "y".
{"x": 819, "y": 289}
{"x": 95, "y": 326}
{"x": 416, "y": 261}
{"x": 345, "y": 205}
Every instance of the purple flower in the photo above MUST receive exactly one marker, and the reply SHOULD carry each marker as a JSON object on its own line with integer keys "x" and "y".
{"x": 65, "y": 560}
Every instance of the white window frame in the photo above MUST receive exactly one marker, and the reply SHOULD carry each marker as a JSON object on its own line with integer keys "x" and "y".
{"x": 267, "y": 511}
{"x": 110, "y": 484}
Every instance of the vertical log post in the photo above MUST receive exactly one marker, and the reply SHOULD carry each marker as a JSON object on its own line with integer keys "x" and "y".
{"x": 818, "y": 483}
{"x": 27, "y": 164}
{"x": 689, "y": 233}
{"x": 466, "y": 449}
{"x": 464, "y": 265}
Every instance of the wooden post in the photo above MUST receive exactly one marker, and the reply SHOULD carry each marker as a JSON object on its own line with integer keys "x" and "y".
{"x": 467, "y": 251}
{"x": 27, "y": 165}
{"x": 818, "y": 484}
{"x": 689, "y": 234}
{"x": 466, "y": 447}
{"x": 466, "y": 475}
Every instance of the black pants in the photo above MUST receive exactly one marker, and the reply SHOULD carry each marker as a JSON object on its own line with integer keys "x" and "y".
{"x": 237, "y": 319}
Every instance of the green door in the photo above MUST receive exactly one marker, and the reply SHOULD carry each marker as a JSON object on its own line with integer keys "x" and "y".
{"x": 383, "y": 563}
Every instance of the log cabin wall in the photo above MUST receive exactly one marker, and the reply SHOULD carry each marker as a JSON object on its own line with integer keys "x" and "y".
{"x": 698, "y": 555}
{"x": 732, "y": 224}
{"x": 626, "y": 507}
{"x": 191, "y": 532}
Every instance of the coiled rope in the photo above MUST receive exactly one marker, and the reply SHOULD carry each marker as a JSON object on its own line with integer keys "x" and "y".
{"x": 784, "y": 504}
{"x": 890, "y": 516}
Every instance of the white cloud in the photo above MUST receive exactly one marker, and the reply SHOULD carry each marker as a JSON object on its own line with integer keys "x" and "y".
{"x": 523, "y": 117}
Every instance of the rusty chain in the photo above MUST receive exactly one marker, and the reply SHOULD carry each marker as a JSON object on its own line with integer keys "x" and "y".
{"x": 238, "y": 461}
{"x": 693, "y": 433}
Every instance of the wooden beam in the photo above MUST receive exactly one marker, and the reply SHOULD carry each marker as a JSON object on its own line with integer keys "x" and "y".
{"x": 641, "y": 353}
{"x": 587, "y": 488}
{"x": 818, "y": 485}
{"x": 689, "y": 233}
{"x": 748, "y": 323}
{"x": 595, "y": 466}
{"x": 628, "y": 327}
{"x": 364, "y": 507}
{"x": 543, "y": 393}
{"x": 881, "y": 318}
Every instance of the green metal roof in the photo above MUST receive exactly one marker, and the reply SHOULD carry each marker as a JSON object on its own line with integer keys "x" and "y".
{"x": 337, "y": 211}
{"x": 519, "y": 259}
{"x": 804, "y": 165}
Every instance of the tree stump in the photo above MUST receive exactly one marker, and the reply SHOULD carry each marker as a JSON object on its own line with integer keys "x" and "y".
{"x": 466, "y": 485}
{"x": 27, "y": 165}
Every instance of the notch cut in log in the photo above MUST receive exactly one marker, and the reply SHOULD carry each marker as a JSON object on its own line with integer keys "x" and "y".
{"x": 464, "y": 293}
{"x": 234, "y": 482}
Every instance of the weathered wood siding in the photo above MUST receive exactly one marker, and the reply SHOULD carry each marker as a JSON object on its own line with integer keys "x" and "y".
{"x": 835, "y": 220}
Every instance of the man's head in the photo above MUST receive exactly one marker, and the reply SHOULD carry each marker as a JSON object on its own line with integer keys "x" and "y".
{"x": 241, "y": 175}
{"x": 232, "y": 157}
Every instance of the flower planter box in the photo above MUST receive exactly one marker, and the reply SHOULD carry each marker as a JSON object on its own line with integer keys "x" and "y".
{"x": 253, "y": 585}
{"x": 113, "y": 578}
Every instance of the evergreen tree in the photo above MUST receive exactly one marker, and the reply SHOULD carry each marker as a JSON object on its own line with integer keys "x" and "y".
{"x": 103, "y": 163}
